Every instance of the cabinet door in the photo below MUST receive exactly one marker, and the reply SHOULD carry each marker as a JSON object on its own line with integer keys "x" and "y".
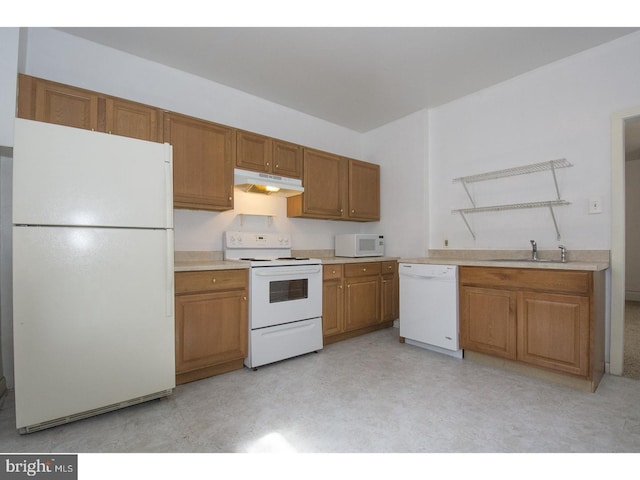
{"x": 65, "y": 105}
{"x": 203, "y": 159}
{"x": 364, "y": 190}
{"x": 211, "y": 328}
{"x": 362, "y": 302}
{"x": 390, "y": 292}
{"x": 332, "y": 307}
{"x": 324, "y": 184}
{"x": 488, "y": 321}
{"x": 553, "y": 331}
{"x": 131, "y": 119}
{"x": 253, "y": 151}
{"x": 287, "y": 159}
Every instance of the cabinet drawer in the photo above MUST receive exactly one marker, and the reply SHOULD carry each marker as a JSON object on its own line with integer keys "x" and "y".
{"x": 330, "y": 272}
{"x": 211, "y": 280}
{"x": 555, "y": 281}
{"x": 361, "y": 269}
{"x": 389, "y": 267}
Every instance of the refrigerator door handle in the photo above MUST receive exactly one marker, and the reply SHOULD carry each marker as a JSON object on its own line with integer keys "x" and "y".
{"x": 168, "y": 165}
{"x": 170, "y": 276}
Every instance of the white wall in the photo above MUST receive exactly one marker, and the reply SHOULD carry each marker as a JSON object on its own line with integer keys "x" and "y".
{"x": 632, "y": 211}
{"x": 562, "y": 110}
{"x": 57, "y": 56}
{"x": 9, "y": 38}
{"x": 401, "y": 150}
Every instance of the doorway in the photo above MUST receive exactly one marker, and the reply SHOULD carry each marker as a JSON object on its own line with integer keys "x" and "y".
{"x": 631, "y": 360}
{"x": 619, "y": 122}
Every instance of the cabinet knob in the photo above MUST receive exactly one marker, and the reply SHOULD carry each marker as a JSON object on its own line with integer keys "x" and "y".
{"x": 230, "y": 198}
{"x": 267, "y": 164}
{"x": 353, "y": 211}
{"x": 339, "y": 286}
{"x": 213, "y": 280}
{"x": 364, "y": 269}
{"x": 244, "y": 298}
{"x": 333, "y": 271}
{"x": 341, "y": 210}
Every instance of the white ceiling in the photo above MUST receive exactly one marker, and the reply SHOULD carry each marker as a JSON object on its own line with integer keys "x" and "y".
{"x": 360, "y": 77}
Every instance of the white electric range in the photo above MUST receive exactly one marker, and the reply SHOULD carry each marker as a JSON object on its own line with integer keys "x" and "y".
{"x": 285, "y": 296}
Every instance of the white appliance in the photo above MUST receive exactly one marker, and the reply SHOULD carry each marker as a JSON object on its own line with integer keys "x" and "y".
{"x": 259, "y": 182}
{"x": 359, "y": 245}
{"x": 285, "y": 296}
{"x": 429, "y": 307}
{"x": 93, "y": 321}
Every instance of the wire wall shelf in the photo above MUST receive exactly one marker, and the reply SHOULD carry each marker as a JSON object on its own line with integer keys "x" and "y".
{"x": 511, "y": 172}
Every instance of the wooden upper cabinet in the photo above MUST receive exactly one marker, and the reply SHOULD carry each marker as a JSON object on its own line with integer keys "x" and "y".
{"x": 131, "y": 119}
{"x": 52, "y": 102}
{"x": 363, "y": 190}
{"x": 268, "y": 155}
{"x": 324, "y": 177}
{"x": 287, "y": 159}
{"x": 337, "y": 188}
{"x": 203, "y": 159}
{"x": 253, "y": 151}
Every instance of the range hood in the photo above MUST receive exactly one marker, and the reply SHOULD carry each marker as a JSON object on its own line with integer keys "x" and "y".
{"x": 266, "y": 183}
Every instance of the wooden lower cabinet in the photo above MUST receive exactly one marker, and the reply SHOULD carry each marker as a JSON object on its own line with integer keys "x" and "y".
{"x": 390, "y": 291}
{"x": 362, "y": 295}
{"x": 332, "y": 300}
{"x": 554, "y": 331}
{"x": 211, "y": 318}
{"x": 358, "y": 298}
{"x": 488, "y": 321}
{"x": 545, "y": 318}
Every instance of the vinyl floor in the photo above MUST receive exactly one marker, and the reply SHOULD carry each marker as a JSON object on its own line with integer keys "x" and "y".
{"x": 369, "y": 394}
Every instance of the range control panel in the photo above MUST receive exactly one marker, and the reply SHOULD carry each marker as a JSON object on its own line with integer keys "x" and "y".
{"x": 256, "y": 240}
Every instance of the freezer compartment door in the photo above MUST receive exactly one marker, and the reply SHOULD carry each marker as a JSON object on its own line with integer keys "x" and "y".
{"x": 93, "y": 318}
{"x": 70, "y": 176}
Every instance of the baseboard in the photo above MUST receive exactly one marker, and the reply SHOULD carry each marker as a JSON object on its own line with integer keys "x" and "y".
{"x": 632, "y": 296}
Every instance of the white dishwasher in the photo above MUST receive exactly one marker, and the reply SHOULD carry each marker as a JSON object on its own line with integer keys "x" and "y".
{"x": 429, "y": 307}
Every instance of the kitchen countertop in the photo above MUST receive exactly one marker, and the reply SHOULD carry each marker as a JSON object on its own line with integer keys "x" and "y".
{"x": 198, "y": 261}
{"x": 591, "y": 260}
{"x": 509, "y": 263}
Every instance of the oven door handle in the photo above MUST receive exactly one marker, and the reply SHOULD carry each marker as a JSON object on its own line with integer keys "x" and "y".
{"x": 273, "y": 272}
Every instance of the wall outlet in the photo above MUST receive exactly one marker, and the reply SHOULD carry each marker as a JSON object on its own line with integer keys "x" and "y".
{"x": 595, "y": 205}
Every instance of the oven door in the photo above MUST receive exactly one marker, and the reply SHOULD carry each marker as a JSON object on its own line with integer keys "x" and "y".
{"x": 285, "y": 294}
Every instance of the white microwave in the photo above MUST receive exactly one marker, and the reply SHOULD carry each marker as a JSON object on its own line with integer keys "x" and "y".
{"x": 359, "y": 245}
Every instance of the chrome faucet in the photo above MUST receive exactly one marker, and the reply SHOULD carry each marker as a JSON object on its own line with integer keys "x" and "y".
{"x": 563, "y": 253}
{"x": 534, "y": 250}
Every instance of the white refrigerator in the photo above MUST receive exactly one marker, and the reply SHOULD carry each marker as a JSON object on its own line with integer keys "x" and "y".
{"x": 93, "y": 317}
